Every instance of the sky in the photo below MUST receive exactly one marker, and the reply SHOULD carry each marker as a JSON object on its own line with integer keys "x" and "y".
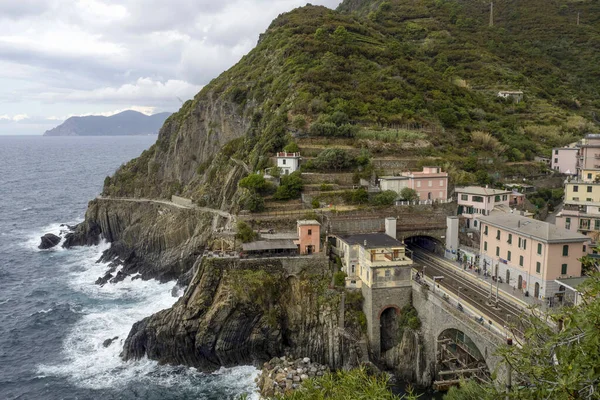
{"x": 62, "y": 58}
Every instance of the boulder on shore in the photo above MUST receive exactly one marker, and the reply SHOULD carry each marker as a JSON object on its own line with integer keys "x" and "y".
{"x": 49, "y": 240}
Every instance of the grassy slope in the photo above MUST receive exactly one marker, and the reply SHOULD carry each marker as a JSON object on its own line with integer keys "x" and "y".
{"x": 428, "y": 63}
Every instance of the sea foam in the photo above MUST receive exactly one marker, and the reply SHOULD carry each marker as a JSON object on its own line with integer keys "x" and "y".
{"x": 110, "y": 312}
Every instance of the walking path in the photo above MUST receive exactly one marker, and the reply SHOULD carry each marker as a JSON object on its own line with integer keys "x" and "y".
{"x": 230, "y": 217}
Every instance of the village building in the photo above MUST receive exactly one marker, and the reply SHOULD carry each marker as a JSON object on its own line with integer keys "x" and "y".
{"x": 430, "y": 183}
{"x": 309, "y": 236}
{"x": 565, "y": 160}
{"x": 529, "y": 254}
{"x": 475, "y": 201}
{"x": 288, "y": 162}
{"x": 569, "y": 290}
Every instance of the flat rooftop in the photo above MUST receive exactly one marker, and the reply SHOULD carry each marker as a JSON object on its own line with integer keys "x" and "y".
{"x": 481, "y": 191}
{"x": 394, "y": 178}
{"x": 540, "y": 230}
{"x": 264, "y": 245}
{"x": 308, "y": 222}
{"x": 572, "y": 283}
{"x": 373, "y": 240}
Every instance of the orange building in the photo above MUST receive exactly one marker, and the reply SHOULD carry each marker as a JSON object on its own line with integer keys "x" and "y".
{"x": 309, "y": 236}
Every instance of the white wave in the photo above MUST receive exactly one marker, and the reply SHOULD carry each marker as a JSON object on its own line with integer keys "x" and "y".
{"x": 33, "y": 237}
{"x": 114, "y": 309}
{"x": 4, "y": 301}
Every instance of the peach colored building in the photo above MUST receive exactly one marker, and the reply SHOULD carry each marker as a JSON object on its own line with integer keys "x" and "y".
{"x": 530, "y": 254}
{"x": 309, "y": 236}
{"x": 430, "y": 184}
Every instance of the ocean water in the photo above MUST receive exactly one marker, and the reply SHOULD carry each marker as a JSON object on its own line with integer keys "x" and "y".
{"x": 53, "y": 319}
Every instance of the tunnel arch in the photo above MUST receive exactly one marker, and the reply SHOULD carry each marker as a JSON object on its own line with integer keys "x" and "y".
{"x": 427, "y": 242}
{"x": 458, "y": 357}
{"x": 388, "y": 327}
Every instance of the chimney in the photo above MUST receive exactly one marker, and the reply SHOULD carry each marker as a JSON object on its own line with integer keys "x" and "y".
{"x": 519, "y": 224}
{"x": 390, "y": 227}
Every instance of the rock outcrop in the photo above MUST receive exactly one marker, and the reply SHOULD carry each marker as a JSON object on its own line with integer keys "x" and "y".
{"x": 48, "y": 241}
{"x": 152, "y": 239}
{"x": 247, "y": 312}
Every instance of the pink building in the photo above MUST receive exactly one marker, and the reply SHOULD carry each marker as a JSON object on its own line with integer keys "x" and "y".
{"x": 530, "y": 254}
{"x": 589, "y": 154}
{"x": 309, "y": 236}
{"x": 565, "y": 160}
{"x": 430, "y": 184}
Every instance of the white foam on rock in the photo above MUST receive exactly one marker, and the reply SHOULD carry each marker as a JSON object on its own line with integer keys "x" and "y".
{"x": 112, "y": 310}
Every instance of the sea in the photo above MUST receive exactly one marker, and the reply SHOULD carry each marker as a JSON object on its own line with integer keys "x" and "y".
{"x": 53, "y": 318}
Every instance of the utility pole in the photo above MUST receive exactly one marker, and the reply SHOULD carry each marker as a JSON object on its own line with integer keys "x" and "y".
{"x": 491, "y": 14}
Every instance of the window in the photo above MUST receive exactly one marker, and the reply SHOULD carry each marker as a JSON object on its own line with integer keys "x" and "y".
{"x": 484, "y": 246}
{"x": 283, "y": 161}
{"x": 387, "y": 273}
{"x": 589, "y": 189}
{"x": 309, "y": 232}
{"x": 441, "y": 182}
{"x": 505, "y": 197}
{"x": 441, "y": 195}
{"x": 477, "y": 199}
{"x": 576, "y": 188}
{"x": 539, "y": 248}
{"x": 575, "y": 198}
{"x": 584, "y": 248}
{"x": 524, "y": 244}
{"x": 521, "y": 261}
{"x": 485, "y": 230}
{"x": 353, "y": 269}
{"x": 556, "y": 161}
{"x": 497, "y": 198}
{"x": 418, "y": 183}
{"x": 538, "y": 267}
{"x": 589, "y": 176}
{"x": 497, "y": 251}
{"x": 520, "y": 241}
{"x": 498, "y": 234}
{"x": 588, "y": 199}
{"x": 508, "y": 255}
{"x": 555, "y": 152}
{"x": 597, "y": 224}
{"x": 566, "y": 250}
{"x": 430, "y": 183}
{"x": 509, "y": 238}
{"x": 563, "y": 269}
{"x": 464, "y": 197}
{"x": 475, "y": 223}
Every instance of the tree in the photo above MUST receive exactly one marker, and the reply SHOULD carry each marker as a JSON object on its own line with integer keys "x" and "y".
{"x": 408, "y": 194}
{"x": 590, "y": 265}
{"x": 290, "y": 188}
{"x": 253, "y": 182}
{"x": 245, "y": 232}
{"x": 551, "y": 363}
{"x": 254, "y": 203}
{"x": 291, "y": 147}
{"x": 386, "y": 198}
{"x": 334, "y": 158}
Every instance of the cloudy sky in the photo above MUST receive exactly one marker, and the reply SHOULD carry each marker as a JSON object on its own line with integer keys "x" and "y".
{"x": 60, "y": 58}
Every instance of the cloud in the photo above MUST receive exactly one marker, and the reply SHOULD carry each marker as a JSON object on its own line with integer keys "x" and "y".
{"x": 143, "y": 89}
{"x": 73, "y": 57}
{"x": 14, "y": 118}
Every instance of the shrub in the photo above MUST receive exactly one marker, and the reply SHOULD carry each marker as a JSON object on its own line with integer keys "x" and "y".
{"x": 315, "y": 203}
{"x": 245, "y": 232}
{"x": 254, "y": 203}
{"x": 333, "y": 159}
{"x": 409, "y": 194}
{"x": 339, "y": 279}
{"x": 291, "y": 147}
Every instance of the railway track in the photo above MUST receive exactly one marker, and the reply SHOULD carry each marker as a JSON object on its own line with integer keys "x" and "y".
{"x": 506, "y": 313}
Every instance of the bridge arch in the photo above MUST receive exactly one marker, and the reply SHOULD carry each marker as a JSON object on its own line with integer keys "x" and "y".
{"x": 458, "y": 357}
{"x": 388, "y": 331}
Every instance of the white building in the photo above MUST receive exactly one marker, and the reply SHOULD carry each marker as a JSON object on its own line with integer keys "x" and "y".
{"x": 475, "y": 201}
{"x": 395, "y": 183}
{"x": 288, "y": 162}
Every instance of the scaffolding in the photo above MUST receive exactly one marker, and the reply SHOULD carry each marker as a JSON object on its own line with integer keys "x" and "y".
{"x": 458, "y": 359}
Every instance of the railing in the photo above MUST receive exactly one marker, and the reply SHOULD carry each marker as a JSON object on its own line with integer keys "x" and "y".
{"x": 422, "y": 202}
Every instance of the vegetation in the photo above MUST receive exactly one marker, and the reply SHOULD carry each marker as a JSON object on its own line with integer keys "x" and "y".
{"x": 409, "y": 319}
{"x": 344, "y": 385}
{"x": 386, "y": 198}
{"x": 339, "y": 279}
{"x": 408, "y": 194}
{"x": 245, "y": 232}
{"x": 290, "y": 187}
{"x": 546, "y": 197}
{"x": 551, "y": 363}
{"x": 256, "y": 183}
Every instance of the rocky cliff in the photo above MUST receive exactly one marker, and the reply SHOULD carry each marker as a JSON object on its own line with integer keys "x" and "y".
{"x": 240, "y": 311}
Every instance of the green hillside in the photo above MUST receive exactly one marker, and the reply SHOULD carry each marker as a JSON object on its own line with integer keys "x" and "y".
{"x": 427, "y": 72}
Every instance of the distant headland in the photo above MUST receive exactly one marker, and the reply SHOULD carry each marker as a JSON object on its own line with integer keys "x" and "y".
{"x": 126, "y": 123}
